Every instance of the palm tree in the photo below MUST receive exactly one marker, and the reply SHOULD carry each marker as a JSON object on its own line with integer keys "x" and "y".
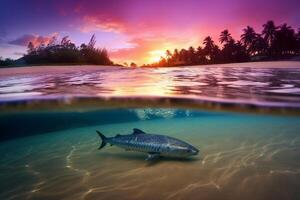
{"x": 168, "y": 54}
{"x": 192, "y": 55}
{"x": 248, "y": 38}
{"x": 225, "y": 36}
{"x": 285, "y": 41}
{"x": 183, "y": 55}
{"x": 269, "y": 31}
{"x": 169, "y": 57}
{"x": 240, "y": 54}
{"x": 259, "y": 45}
{"x": 209, "y": 48}
{"x": 175, "y": 56}
{"x": 209, "y": 44}
{"x": 216, "y": 55}
{"x": 200, "y": 55}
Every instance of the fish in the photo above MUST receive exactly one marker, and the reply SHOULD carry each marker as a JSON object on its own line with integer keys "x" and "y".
{"x": 153, "y": 144}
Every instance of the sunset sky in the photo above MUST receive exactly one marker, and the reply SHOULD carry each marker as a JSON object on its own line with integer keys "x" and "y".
{"x": 134, "y": 30}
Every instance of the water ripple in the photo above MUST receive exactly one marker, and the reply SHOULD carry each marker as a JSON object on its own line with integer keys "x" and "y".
{"x": 270, "y": 84}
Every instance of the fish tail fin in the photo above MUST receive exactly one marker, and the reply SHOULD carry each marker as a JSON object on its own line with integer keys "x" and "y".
{"x": 103, "y": 138}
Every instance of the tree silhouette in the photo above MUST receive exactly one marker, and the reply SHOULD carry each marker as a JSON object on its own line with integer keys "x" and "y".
{"x": 269, "y": 30}
{"x": 192, "y": 56}
{"x": 209, "y": 43}
{"x": 65, "y": 41}
{"x": 92, "y": 42}
{"x": 285, "y": 41}
{"x": 30, "y": 48}
{"x": 168, "y": 56}
{"x": 200, "y": 56}
{"x": 67, "y": 52}
{"x": 273, "y": 43}
{"x": 6, "y": 62}
{"x": 175, "y": 57}
{"x": 209, "y": 47}
{"x": 133, "y": 64}
{"x": 259, "y": 46}
{"x": 168, "y": 53}
{"x": 269, "y": 33}
{"x": 225, "y": 37}
{"x": 248, "y": 38}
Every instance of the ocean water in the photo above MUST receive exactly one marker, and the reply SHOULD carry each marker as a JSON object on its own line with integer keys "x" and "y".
{"x": 242, "y": 156}
{"x": 245, "y": 122}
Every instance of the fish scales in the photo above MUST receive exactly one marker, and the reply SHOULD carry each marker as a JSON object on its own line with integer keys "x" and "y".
{"x": 153, "y": 144}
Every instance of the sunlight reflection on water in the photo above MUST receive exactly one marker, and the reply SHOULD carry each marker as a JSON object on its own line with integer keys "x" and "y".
{"x": 256, "y": 85}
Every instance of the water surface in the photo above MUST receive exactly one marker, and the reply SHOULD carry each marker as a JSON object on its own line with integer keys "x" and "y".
{"x": 273, "y": 85}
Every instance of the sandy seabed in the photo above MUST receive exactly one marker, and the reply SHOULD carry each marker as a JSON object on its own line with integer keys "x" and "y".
{"x": 241, "y": 157}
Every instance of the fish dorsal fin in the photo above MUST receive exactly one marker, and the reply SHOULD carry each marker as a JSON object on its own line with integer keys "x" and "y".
{"x": 137, "y": 131}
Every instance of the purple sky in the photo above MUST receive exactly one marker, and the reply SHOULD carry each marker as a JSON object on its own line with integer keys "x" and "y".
{"x": 135, "y": 30}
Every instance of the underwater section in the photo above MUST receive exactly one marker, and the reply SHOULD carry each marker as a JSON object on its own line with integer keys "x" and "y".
{"x": 54, "y": 155}
{"x": 14, "y": 125}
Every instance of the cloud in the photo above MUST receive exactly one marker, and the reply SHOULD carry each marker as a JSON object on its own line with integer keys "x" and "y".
{"x": 18, "y": 53}
{"x": 106, "y": 24}
{"x": 35, "y": 39}
{"x": 144, "y": 26}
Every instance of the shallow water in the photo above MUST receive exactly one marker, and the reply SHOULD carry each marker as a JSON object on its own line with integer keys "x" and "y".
{"x": 244, "y": 118}
{"x": 241, "y": 157}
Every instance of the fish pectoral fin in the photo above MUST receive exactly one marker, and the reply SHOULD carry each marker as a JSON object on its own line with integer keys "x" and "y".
{"x": 152, "y": 156}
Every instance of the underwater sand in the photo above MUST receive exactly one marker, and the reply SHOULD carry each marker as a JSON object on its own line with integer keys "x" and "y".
{"x": 241, "y": 157}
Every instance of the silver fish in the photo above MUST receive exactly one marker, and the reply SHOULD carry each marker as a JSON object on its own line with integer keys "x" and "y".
{"x": 154, "y": 145}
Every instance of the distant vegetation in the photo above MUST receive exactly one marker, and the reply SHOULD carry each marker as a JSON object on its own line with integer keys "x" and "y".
{"x": 67, "y": 52}
{"x": 63, "y": 52}
{"x": 6, "y": 62}
{"x": 273, "y": 43}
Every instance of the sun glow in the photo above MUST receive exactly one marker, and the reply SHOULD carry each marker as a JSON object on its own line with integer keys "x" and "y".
{"x": 156, "y": 55}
